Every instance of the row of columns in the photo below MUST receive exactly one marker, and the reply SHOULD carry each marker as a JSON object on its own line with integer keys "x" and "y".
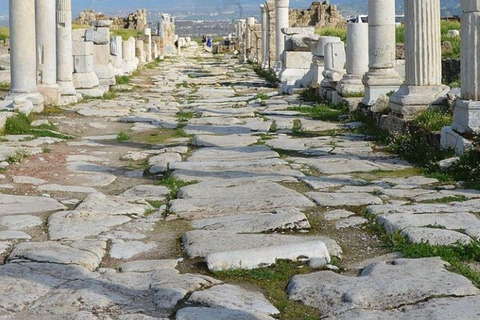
{"x": 38, "y": 60}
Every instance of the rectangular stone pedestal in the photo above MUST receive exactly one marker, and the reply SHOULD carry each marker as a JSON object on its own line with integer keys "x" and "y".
{"x": 467, "y": 117}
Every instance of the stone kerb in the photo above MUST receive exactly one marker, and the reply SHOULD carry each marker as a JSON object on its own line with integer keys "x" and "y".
{"x": 85, "y": 79}
{"x": 351, "y": 86}
{"x": 335, "y": 60}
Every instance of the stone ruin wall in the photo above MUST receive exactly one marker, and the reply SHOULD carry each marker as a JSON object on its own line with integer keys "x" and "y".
{"x": 135, "y": 21}
{"x": 319, "y": 15}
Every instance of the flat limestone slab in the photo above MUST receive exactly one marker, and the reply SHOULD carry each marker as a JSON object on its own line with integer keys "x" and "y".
{"x": 271, "y": 169}
{"x": 435, "y": 237}
{"x": 199, "y": 243}
{"x": 265, "y": 256}
{"x": 195, "y": 313}
{"x": 10, "y": 204}
{"x": 465, "y": 308}
{"x": 148, "y": 265}
{"x": 280, "y": 219}
{"x": 325, "y": 199}
{"x": 380, "y": 286}
{"x": 209, "y": 200}
{"x": 128, "y": 249}
{"x": 228, "y": 141}
{"x": 233, "y": 154}
{"x": 232, "y": 297}
{"x": 88, "y": 254}
{"x": 62, "y": 188}
{"x": 147, "y": 192}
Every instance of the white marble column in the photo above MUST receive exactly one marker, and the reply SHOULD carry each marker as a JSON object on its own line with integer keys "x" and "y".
{"x": 382, "y": 77}
{"x": 64, "y": 47}
{"x": 281, "y": 21}
{"x": 45, "y": 17}
{"x": 148, "y": 33}
{"x": 264, "y": 36}
{"x": 357, "y": 61}
{"x": 423, "y": 60}
{"x": 467, "y": 109}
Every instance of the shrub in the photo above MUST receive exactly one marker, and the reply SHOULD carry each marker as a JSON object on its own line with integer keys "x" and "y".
{"x": 333, "y": 32}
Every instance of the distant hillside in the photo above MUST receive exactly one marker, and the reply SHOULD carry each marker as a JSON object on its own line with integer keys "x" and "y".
{"x": 348, "y": 7}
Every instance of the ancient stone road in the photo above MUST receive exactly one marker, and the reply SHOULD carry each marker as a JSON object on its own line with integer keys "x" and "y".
{"x": 90, "y": 227}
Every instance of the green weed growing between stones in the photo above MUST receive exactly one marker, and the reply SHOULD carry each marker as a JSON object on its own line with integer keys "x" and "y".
{"x": 122, "y": 79}
{"x": 173, "y": 184}
{"x": 123, "y": 136}
{"x": 323, "y": 112}
{"x": 273, "y": 281}
{"x": 21, "y": 124}
{"x": 434, "y": 119}
{"x": 17, "y": 156}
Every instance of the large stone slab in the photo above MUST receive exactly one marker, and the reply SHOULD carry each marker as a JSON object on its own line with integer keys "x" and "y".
{"x": 10, "y": 204}
{"x": 232, "y": 297}
{"x": 147, "y": 192}
{"x": 87, "y": 254}
{"x": 280, "y": 219}
{"x": 266, "y": 256}
{"x": 195, "y": 313}
{"x": 199, "y": 243}
{"x": 228, "y": 141}
{"x": 325, "y": 199}
{"x": 271, "y": 169}
{"x": 342, "y": 164}
{"x": 128, "y": 249}
{"x": 210, "y": 199}
{"x": 380, "y": 286}
{"x": 233, "y": 154}
{"x": 466, "y": 308}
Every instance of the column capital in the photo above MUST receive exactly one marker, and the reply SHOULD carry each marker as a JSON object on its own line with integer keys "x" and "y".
{"x": 282, "y": 3}
{"x": 262, "y": 7}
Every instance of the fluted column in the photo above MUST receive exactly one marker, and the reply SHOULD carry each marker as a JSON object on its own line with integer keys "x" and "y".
{"x": 45, "y": 17}
{"x": 264, "y": 35}
{"x": 467, "y": 110}
{"x": 148, "y": 33}
{"x": 423, "y": 60}
{"x": 281, "y": 21}
{"x": 357, "y": 60}
{"x": 381, "y": 77}
{"x": 64, "y": 47}
{"x": 22, "y": 52}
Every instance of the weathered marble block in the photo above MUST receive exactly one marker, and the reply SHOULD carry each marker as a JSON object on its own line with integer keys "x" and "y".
{"x": 83, "y": 64}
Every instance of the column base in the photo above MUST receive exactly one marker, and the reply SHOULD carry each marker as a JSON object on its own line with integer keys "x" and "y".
{"x": 96, "y": 92}
{"x": 50, "y": 92}
{"x": 378, "y": 82}
{"x": 66, "y": 88}
{"x": 452, "y": 140}
{"x": 409, "y": 101}
{"x": 85, "y": 80}
{"x": 36, "y": 98}
{"x": 467, "y": 117}
{"x": 351, "y": 86}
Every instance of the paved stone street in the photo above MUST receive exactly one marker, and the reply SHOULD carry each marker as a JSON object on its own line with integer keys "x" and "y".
{"x": 194, "y": 170}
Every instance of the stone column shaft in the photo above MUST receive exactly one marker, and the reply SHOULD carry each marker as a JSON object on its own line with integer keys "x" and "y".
{"x": 281, "y": 21}
{"x": 264, "y": 35}
{"x": 423, "y": 86}
{"x": 357, "y": 60}
{"x": 45, "y": 16}
{"x": 64, "y": 47}
{"x": 423, "y": 52}
{"x": 22, "y": 46}
{"x": 382, "y": 77}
